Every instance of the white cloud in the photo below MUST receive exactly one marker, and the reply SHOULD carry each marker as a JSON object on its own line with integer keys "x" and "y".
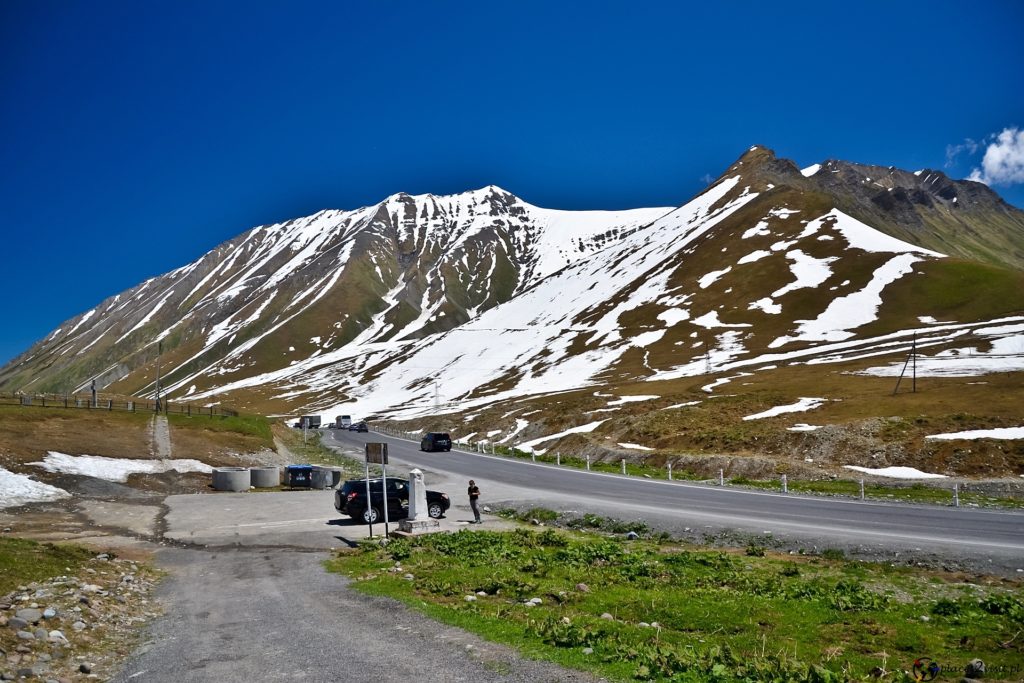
{"x": 1003, "y": 163}
{"x": 953, "y": 151}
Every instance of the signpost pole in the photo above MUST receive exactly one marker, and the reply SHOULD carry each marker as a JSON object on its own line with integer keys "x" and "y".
{"x": 378, "y": 453}
{"x": 369, "y": 501}
{"x": 384, "y": 485}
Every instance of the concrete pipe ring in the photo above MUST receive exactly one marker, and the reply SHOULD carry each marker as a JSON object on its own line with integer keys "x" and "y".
{"x": 231, "y": 479}
{"x": 265, "y": 477}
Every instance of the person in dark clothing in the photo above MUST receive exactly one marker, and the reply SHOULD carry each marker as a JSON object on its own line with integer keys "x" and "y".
{"x": 474, "y": 496}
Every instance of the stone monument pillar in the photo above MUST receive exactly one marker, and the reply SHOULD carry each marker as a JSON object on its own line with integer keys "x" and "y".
{"x": 417, "y": 497}
{"x": 418, "y": 520}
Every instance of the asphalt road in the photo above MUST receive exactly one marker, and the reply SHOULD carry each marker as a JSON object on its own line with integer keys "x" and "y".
{"x": 984, "y": 539}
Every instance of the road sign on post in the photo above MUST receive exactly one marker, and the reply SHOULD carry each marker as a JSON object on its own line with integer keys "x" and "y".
{"x": 377, "y": 453}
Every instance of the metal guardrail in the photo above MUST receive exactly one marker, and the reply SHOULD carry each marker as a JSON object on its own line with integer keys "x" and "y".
{"x": 111, "y": 403}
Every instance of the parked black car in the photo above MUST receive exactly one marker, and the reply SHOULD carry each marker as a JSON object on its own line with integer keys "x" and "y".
{"x": 350, "y": 499}
{"x": 436, "y": 441}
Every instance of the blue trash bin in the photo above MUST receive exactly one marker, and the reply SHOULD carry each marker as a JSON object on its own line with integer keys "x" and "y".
{"x": 298, "y": 476}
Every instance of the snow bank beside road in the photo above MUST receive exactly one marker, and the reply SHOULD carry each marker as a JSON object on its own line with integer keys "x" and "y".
{"x": 19, "y": 489}
{"x": 1001, "y": 433}
{"x": 896, "y": 472}
{"x": 115, "y": 469}
{"x": 805, "y": 403}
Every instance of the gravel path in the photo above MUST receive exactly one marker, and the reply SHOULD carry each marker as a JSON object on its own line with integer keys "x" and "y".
{"x": 161, "y": 437}
{"x": 268, "y": 615}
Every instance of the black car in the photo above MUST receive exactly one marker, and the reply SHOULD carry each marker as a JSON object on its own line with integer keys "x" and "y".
{"x": 351, "y": 500}
{"x": 362, "y": 427}
{"x": 436, "y": 441}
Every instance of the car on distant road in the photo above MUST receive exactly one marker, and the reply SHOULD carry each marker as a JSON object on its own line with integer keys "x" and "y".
{"x": 350, "y": 499}
{"x": 436, "y": 441}
{"x": 362, "y": 427}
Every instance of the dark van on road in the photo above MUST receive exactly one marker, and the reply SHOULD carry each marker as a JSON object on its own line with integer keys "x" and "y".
{"x": 436, "y": 441}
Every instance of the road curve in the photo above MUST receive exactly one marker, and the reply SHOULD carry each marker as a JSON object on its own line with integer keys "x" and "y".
{"x": 987, "y": 538}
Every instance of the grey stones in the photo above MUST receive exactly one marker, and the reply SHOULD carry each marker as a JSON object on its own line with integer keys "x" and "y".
{"x": 17, "y": 623}
{"x": 79, "y": 626}
{"x": 607, "y": 616}
{"x": 49, "y": 613}
{"x": 582, "y": 588}
{"x": 30, "y": 615}
{"x": 470, "y": 598}
{"x": 632, "y": 536}
{"x": 85, "y": 668}
{"x": 975, "y": 669}
{"x": 26, "y": 635}
{"x": 41, "y": 634}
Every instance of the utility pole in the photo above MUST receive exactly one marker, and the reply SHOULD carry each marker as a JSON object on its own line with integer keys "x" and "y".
{"x": 913, "y": 357}
{"x": 159, "y": 350}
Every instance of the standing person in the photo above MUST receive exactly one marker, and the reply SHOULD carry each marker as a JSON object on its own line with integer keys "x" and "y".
{"x": 474, "y": 496}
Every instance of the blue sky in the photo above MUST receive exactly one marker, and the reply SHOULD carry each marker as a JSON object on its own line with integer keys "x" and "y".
{"x": 137, "y": 136}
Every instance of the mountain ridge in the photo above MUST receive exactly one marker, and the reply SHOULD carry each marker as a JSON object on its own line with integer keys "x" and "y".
{"x": 320, "y": 310}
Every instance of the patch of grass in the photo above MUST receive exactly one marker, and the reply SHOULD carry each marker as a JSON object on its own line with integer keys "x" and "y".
{"x": 23, "y": 561}
{"x": 249, "y": 425}
{"x": 29, "y": 432}
{"x": 681, "y": 614}
{"x": 914, "y": 493}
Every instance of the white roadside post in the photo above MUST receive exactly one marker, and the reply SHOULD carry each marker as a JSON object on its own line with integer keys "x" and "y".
{"x": 785, "y": 484}
{"x": 862, "y": 489}
{"x": 670, "y": 471}
{"x": 623, "y": 465}
{"x": 588, "y": 462}
{"x": 721, "y": 477}
{"x": 558, "y": 459}
{"x": 956, "y": 495}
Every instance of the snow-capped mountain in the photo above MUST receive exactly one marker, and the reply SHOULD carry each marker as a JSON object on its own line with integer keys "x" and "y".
{"x": 473, "y": 298}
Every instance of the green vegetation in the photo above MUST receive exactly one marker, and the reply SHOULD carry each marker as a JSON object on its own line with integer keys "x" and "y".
{"x": 250, "y": 425}
{"x": 648, "y": 611}
{"x": 23, "y": 561}
{"x": 915, "y": 493}
{"x": 632, "y": 468}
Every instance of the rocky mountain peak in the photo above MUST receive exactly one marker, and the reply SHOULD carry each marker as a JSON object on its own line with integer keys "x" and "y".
{"x": 760, "y": 166}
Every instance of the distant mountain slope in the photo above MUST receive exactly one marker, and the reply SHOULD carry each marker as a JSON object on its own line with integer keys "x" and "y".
{"x": 478, "y": 297}
{"x": 959, "y": 218}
